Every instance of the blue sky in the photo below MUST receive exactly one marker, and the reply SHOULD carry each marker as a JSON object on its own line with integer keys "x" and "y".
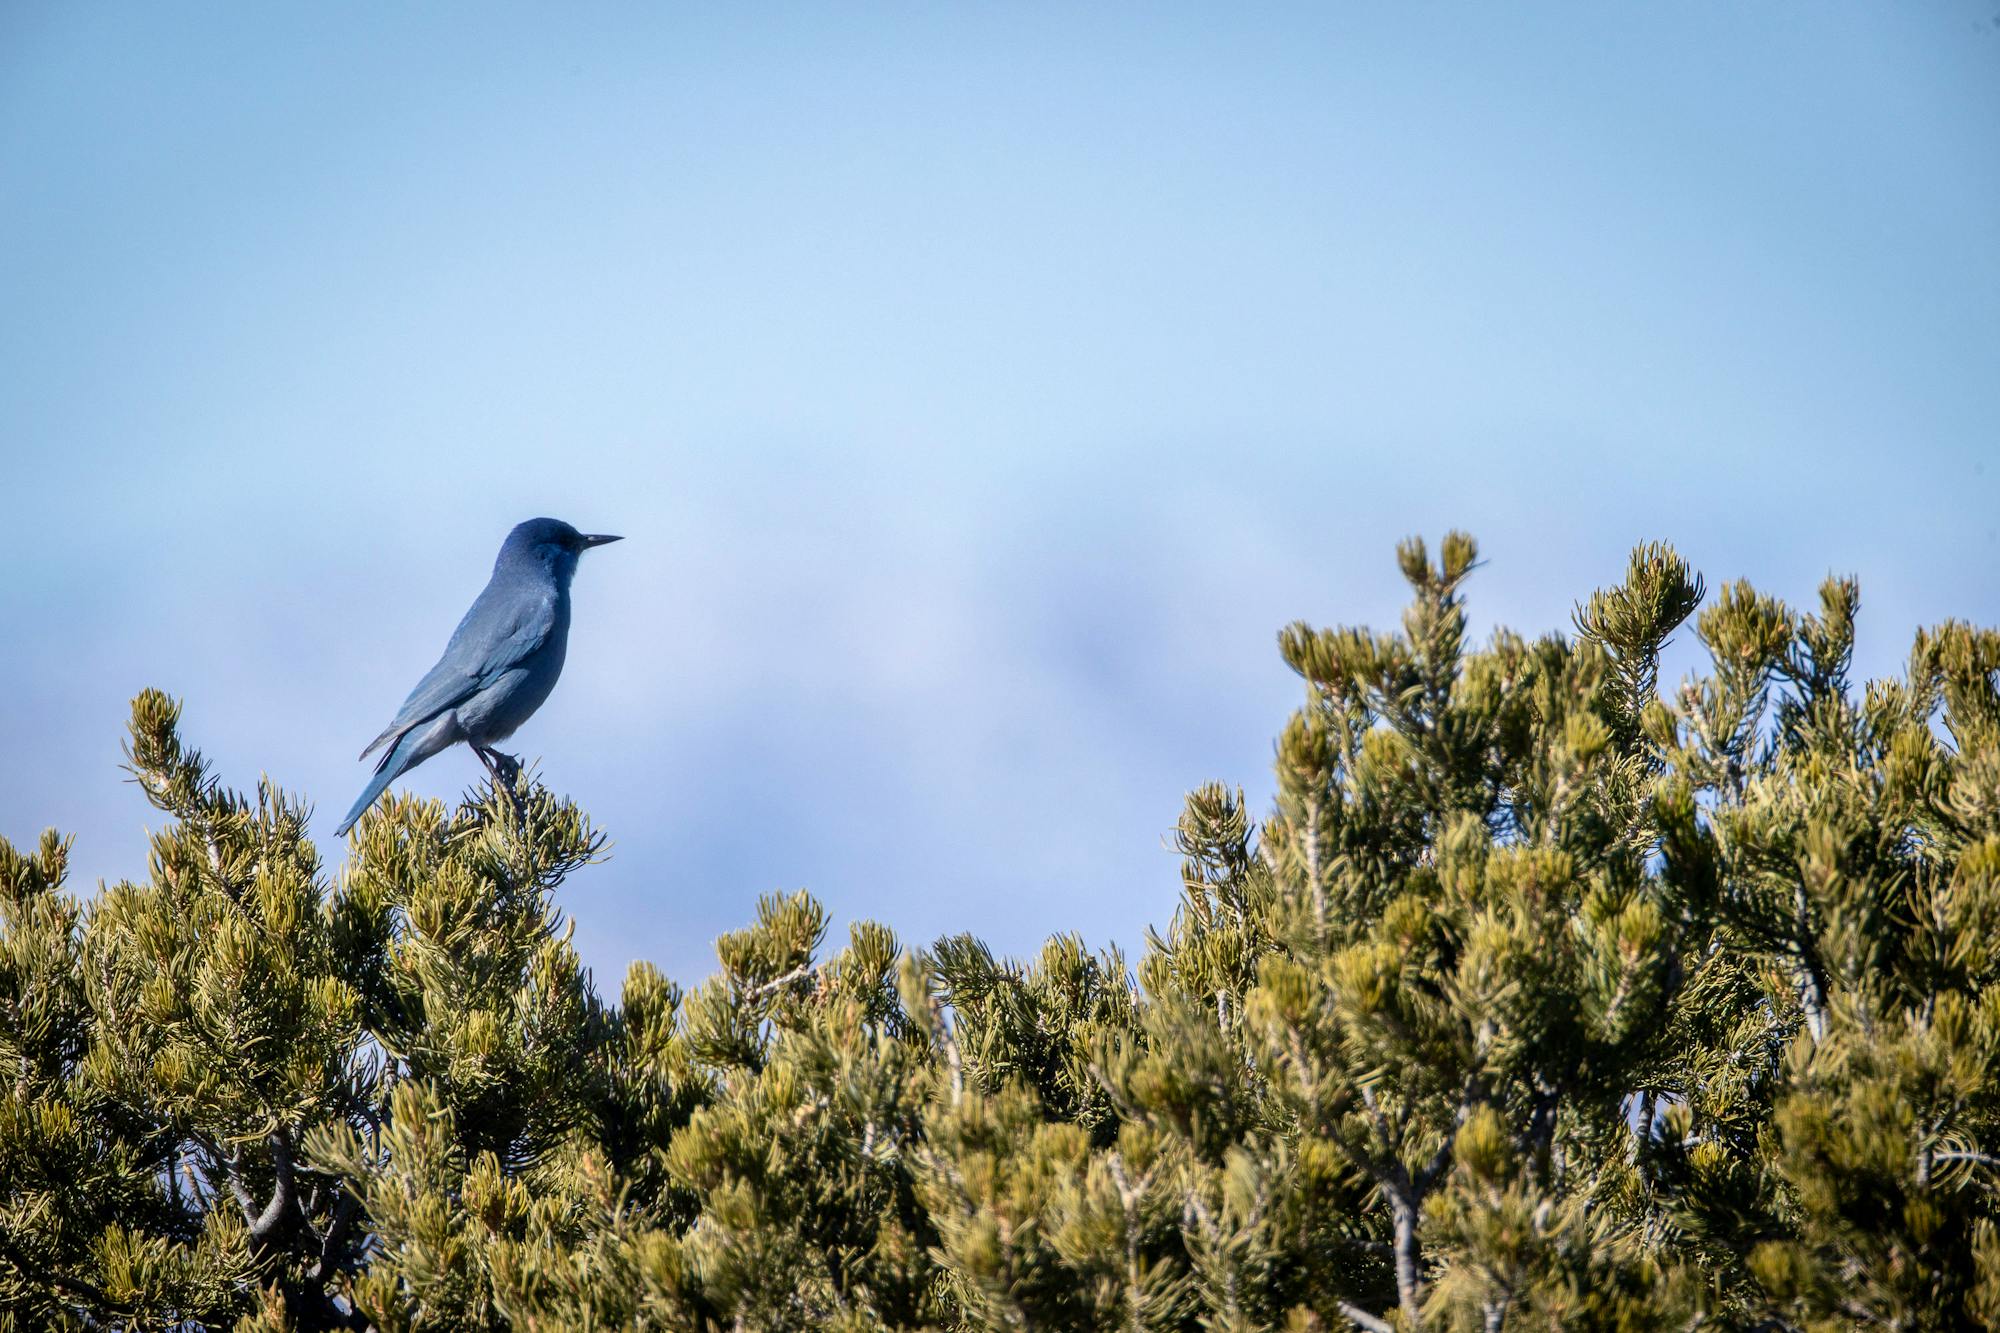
{"x": 979, "y": 388}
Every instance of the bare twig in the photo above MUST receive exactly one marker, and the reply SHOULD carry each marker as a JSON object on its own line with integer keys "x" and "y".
{"x": 799, "y": 973}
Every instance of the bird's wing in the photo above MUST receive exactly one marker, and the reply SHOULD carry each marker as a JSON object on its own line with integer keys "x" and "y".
{"x": 503, "y": 627}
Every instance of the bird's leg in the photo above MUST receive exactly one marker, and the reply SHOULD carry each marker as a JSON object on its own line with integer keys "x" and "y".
{"x": 509, "y": 766}
{"x": 503, "y": 769}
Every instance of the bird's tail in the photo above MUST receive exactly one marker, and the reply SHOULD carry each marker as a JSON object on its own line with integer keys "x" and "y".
{"x": 404, "y": 755}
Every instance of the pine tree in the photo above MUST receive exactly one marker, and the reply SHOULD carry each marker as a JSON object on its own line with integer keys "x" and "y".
{"x": 1540, "y": 999}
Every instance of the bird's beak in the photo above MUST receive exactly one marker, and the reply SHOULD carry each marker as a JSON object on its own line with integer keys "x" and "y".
{"x": 591, "y": 539}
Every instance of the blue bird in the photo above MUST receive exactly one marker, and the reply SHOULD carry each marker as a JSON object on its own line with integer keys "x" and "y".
{"x": 501, "y": 663}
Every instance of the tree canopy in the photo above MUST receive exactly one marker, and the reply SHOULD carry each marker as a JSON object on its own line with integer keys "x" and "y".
{"x": 1540, "y": 999}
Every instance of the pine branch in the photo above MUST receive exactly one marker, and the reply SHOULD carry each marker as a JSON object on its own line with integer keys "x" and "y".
{"x": 60, "y": 1281}
{"x": 1363, "y": 1320}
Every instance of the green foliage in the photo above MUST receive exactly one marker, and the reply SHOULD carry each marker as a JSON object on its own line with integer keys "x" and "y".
{"x": 1539, "y": 1000}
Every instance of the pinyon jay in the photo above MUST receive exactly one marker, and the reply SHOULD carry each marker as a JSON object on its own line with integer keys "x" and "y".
{"x": 501, "y": 663}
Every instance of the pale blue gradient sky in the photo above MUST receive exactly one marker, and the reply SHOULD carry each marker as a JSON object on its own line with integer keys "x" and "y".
{"x": 980, "y": 388}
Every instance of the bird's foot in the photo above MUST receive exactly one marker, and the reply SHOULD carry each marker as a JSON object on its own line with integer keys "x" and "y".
{"x": 507, "y": 766}
{"x": 504, "y": 769}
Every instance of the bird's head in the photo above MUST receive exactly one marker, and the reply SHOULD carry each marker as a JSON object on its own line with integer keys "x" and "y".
{"x": 551, "y": 544}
